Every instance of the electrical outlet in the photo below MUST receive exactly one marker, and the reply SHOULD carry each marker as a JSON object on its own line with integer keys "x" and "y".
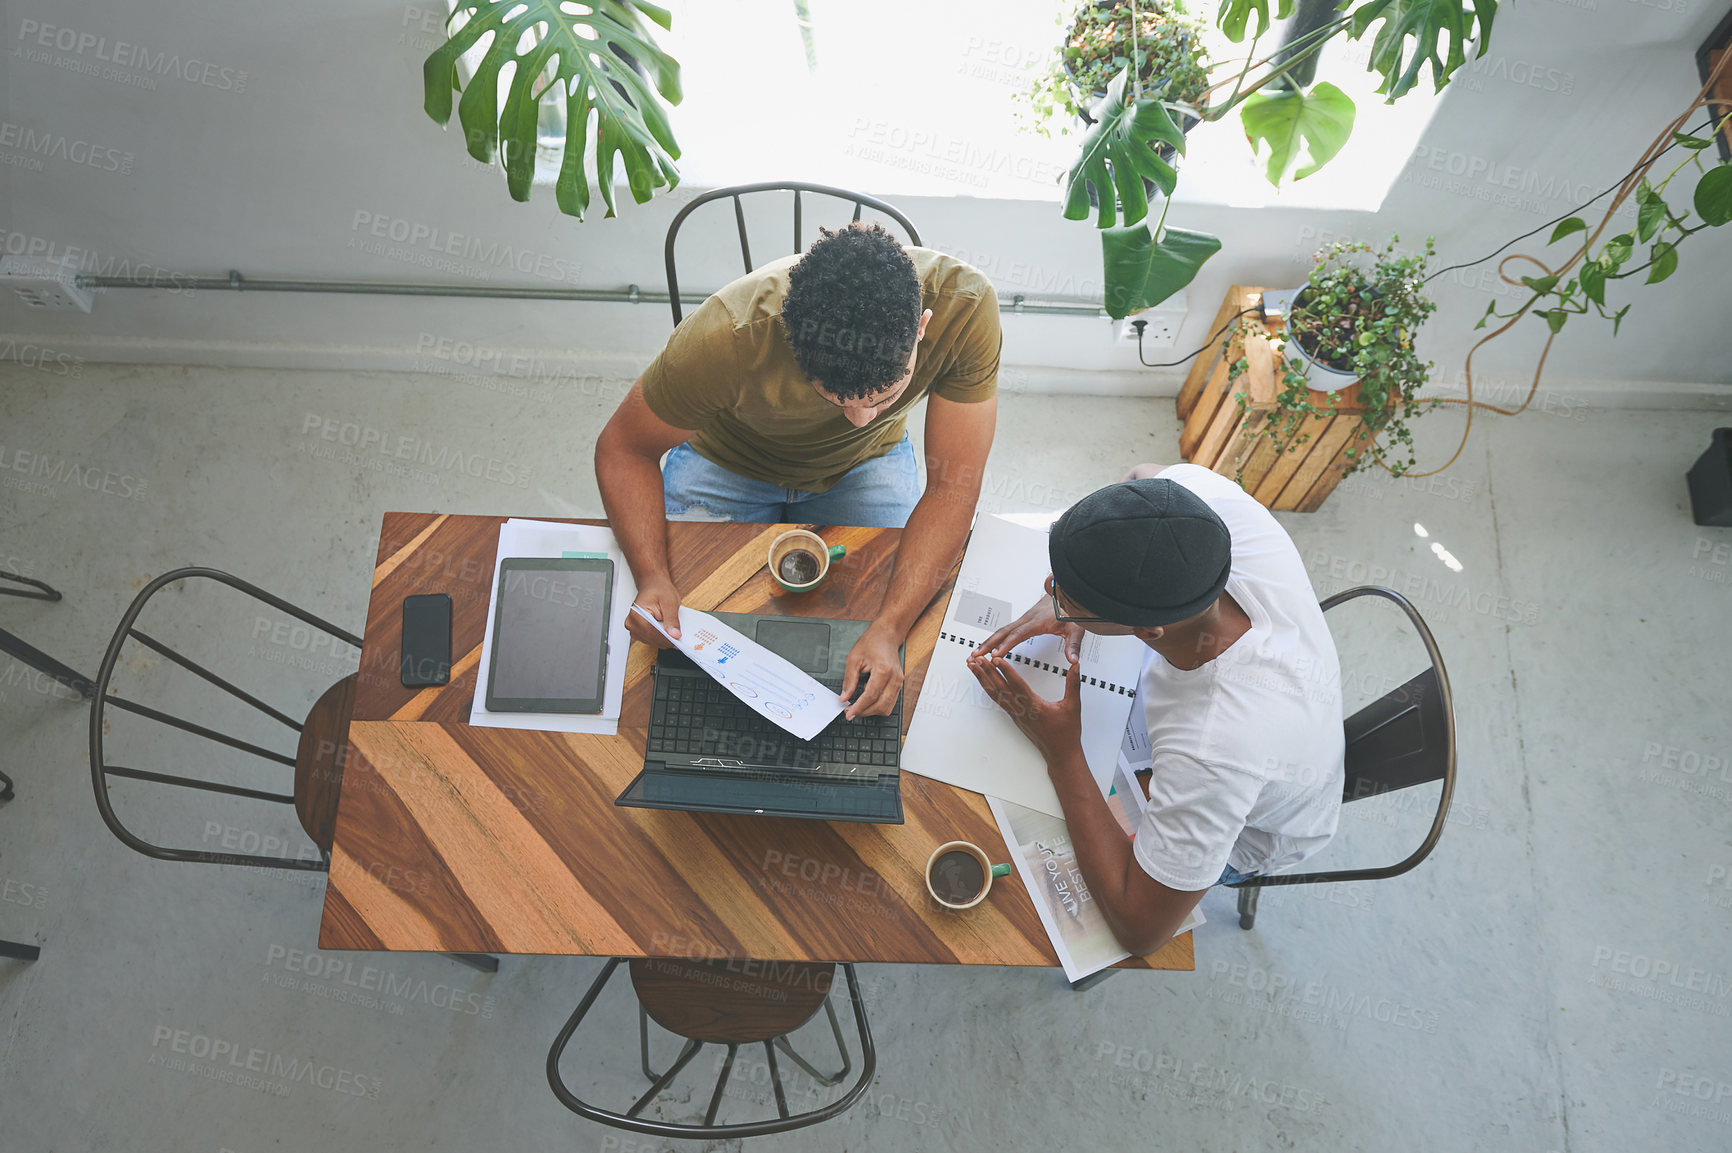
{"x": 1160, "y": 324}
{"x": 40, "y": 284}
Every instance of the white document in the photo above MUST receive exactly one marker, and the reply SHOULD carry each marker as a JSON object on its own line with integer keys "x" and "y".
{"x": 538, "y": 538}
{"x": 959, "y": 735}
{"x": 770, "y": 684}
{"x": 1134, "y": 752}
{"x": 1041, "y": 848}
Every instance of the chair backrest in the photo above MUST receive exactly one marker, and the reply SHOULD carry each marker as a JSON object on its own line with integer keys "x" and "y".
{"x": 1402, "y": 739}
{"x": 710, "y": 1130}
{"x": 1399, "y": 740}
{"x": 797, "y": 187}
{"x": 101, "y": 769}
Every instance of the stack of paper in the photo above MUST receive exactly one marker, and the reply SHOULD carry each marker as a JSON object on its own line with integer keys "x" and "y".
{"x": 1041, "y": 847}
{"x": 539, "y": 538}
{"x": 959, "y": 735}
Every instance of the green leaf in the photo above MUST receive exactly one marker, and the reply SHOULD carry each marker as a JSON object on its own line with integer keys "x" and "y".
{"x": 580, "y": 58}
{"x": 1234, "y": 14}
{"x": 1428, "y": 22}
{"x": 1691, "y": 142}
{"x": 1713, "y": 199}
{"x": 1321, "y": 119}
{"x": 1139, "y": 273}
{"x": 1567, "y": 228}
{"x": 1618, "y": 249}
{"x": 1490, "y": 310}
{"x": 1650, "y": 216}
{"x": 1555, "y": 318}
{"x": 1665, "y": 262}
{"x": 1594, "y": 282}
{"x": 1117, "y": 154}
{"x": 1618, "y": 318}
{"x": 1540, "y": 284}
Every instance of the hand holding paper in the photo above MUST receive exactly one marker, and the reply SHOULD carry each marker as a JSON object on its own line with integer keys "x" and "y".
{"x": 768, "y": 683}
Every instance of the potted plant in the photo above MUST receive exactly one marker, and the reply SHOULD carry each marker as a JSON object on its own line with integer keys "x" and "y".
{"x": 1167, "y": 45}
{"x": 1353, "y": 325}
{"x": 1296, "y": 125}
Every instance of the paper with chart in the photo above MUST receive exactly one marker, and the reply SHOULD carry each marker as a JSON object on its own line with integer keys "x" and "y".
{"x": 1041, "y": 848}
{"x": 540, "y": 538}
{"x": 959, "y": 735}
{"x": 770, "y": 684}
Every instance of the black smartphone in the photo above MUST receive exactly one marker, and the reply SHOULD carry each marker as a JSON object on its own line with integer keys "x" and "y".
{"x": 426, "y": 640}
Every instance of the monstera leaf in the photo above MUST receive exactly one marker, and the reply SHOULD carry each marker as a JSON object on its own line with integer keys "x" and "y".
{"x": 1140, "y": 273}
{"x": 1321, "y": 119}
{"x": 1233, "y": 15}
{"x": 597, "y": 58}
{"x": 1428, "y": 22}
{"x": 1118, "y": 153}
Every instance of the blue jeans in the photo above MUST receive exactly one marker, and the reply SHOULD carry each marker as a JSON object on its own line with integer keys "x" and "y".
{"x": 879, "y": 493}
{"x": 1231, "y": 876}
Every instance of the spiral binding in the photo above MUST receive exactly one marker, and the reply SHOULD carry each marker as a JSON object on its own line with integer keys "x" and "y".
{"x": 1022, "y": 660}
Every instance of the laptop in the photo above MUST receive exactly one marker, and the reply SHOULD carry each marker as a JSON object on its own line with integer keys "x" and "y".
{"x": 707, "y": 752}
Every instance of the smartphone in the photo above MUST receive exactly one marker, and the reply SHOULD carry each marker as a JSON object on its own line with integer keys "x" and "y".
{"x": 426, "y": 640}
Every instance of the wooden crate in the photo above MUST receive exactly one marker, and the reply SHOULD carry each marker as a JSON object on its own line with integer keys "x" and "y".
{"x": 1221, "y": 435}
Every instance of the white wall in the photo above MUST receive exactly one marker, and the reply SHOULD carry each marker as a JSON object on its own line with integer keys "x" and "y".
{"x": 269, "y": 173}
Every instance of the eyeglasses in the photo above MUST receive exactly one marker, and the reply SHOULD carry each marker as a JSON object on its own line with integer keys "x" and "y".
{"x": 1058, "y": 613}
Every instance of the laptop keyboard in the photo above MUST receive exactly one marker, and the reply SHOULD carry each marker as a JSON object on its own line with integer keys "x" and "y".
{"x": 695, "y": 716}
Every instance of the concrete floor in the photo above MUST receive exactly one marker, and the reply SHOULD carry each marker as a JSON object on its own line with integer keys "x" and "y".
{"x": 1555, "y": 977}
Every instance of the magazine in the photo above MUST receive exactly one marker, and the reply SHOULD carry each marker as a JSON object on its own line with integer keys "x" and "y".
{"x": 1040, "y": 847}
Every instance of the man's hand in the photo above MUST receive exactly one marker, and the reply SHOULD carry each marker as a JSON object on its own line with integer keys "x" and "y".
{"x": 1055, "y": 727}
{"x": 662, "y": 601}
{"x": 1036, "y": 622}
{"x": 873, "y": 659}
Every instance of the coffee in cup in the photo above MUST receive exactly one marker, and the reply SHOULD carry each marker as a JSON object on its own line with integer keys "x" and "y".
{"x": 959, "y": 874}
{"x": 799, "y": 559}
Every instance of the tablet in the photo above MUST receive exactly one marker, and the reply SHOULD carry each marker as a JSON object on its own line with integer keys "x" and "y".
{"x": 550, "y": 635}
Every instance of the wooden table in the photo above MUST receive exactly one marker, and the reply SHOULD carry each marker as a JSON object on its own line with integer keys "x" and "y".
{"x": 480, "y": 840}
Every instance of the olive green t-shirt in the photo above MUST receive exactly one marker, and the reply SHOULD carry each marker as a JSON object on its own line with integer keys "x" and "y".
{"x": 729, "y": 374}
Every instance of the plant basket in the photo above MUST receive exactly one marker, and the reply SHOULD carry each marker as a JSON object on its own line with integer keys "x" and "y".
{"x": 1222, "y": 435}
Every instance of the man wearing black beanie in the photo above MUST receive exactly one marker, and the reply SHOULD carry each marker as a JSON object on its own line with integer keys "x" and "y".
{"x": 1241, "y": 690}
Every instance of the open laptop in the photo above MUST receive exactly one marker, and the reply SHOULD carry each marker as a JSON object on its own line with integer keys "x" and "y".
{"x": 707, "y": 752}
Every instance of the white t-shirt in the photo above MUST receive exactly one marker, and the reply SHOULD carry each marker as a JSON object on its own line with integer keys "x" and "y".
{"x": 1248, "y": 748}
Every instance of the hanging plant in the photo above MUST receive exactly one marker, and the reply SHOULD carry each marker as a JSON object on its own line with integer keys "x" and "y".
{"x": 599, "y": 61}
{"x": 1158, "y": 58}
{"x": 1169, "y": 54}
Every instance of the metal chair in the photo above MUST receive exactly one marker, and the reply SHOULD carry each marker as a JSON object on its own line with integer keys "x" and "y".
{"x": 860, "y": 200}
{"x": 1403, "y": 739}
{"x": 317, "y": 767}
{"x": 29, "y": 654}
{"x": 685, "y": 998}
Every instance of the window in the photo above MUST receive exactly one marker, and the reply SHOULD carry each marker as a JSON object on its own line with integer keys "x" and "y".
{"x": 908, "y": 97}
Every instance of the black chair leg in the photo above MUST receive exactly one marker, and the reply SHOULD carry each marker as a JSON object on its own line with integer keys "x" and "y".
{"x": 21, "y": 650}
{"x": 20, "y": 952}
{"x": 480, "y": 961}
{"x": 1248, "y": 905}
{"x": 841, "y": 1048}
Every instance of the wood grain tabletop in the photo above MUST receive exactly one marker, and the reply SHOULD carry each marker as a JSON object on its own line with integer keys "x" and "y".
{"x": 452, "y": 838}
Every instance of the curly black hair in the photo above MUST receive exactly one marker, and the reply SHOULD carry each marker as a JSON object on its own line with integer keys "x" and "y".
{"x": 852, "y": 310}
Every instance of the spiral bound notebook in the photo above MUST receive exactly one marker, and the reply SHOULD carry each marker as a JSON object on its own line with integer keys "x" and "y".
{"x": 1019, "y": 658}
{"x": 958, "y": 734}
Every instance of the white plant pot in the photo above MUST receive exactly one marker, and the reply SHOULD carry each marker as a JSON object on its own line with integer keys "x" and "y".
{"x": 1318, "y": 375}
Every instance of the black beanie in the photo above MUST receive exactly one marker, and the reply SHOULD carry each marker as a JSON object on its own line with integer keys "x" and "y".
{"x": 1143, "y": 552}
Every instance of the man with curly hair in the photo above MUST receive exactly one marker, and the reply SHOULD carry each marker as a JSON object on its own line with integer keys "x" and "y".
{"x": 785, "y": 397}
